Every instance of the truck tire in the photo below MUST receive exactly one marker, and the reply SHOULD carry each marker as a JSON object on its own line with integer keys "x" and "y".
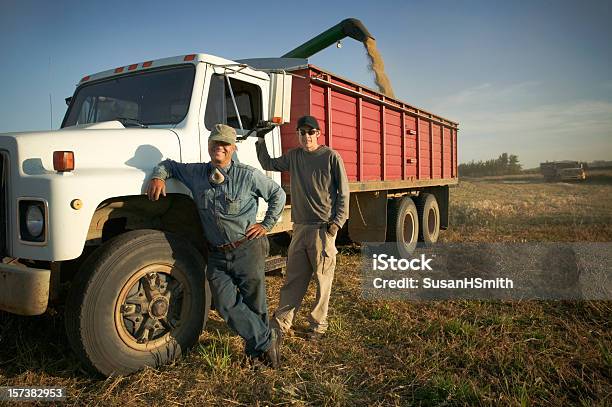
{"x": 429, "y": 218}
{"x": 141, "y": 299}
{"x": 403, "y": 225}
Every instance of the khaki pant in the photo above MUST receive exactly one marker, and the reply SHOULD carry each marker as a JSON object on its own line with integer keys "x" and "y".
{"x": 312, "y": 253}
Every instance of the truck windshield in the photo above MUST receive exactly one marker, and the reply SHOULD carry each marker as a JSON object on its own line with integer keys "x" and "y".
{"x": 142, "y": 99}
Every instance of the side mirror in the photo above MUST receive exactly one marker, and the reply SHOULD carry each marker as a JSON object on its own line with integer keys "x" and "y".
{"x": 280, "y": 98}
{"x": 68, "y": 100}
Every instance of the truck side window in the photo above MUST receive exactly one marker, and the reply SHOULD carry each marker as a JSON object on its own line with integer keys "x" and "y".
{"x": 220, "y": 107}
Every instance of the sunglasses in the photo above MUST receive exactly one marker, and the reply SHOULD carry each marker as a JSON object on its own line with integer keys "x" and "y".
{"x": 310, "y": 132}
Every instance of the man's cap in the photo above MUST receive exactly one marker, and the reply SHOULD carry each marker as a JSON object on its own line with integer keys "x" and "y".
{"x": 308, "y": 121}
{"x": 223, "y": 133}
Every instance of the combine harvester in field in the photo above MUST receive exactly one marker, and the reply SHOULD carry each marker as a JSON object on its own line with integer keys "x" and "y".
{"x": 563, "y": 171}
{"x": 75, "y": 218}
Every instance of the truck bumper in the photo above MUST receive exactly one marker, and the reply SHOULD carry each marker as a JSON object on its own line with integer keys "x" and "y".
{"x": 24, "y": 290}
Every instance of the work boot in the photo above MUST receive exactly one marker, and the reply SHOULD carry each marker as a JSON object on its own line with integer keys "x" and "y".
{"x": 273, "y": 355}
{"x": 314, "y": 336}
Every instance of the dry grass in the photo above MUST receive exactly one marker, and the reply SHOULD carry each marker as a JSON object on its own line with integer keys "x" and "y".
{"x": 507, "y": 209}
{"x": 385, "y": 352}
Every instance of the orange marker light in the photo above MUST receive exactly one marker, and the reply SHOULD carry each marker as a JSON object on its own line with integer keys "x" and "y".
{"x": 63, "y": 161}
{"x": 147, "y": 64}
{"x": 119, "y": 70}
{"x": 132, "y": 67}
{"x": 277, "y": 120}
{"x": 189, "y": 57}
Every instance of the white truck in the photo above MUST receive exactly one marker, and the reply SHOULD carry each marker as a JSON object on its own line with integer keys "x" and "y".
{"x": 74, "y": 214}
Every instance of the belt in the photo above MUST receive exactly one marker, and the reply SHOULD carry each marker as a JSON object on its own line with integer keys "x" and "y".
{"x": 229, "y": 246}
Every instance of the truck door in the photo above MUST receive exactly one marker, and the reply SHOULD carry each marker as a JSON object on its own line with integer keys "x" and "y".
{"x": 239, "y": 100}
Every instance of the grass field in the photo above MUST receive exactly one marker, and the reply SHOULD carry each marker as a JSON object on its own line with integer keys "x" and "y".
{"x": 386, "y": 352}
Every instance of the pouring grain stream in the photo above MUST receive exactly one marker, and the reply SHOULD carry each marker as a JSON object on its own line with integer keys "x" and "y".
{"x": 377, "y": 65}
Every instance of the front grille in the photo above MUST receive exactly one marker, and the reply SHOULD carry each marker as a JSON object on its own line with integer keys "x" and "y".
{"x": 3, "y": 204}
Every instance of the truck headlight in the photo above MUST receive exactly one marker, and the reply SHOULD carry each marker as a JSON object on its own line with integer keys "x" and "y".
{"x": 32, "y": 222}
{"x": 35, "y": 220}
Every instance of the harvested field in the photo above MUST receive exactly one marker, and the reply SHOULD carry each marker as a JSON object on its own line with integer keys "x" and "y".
{"x": 385, "y": 352}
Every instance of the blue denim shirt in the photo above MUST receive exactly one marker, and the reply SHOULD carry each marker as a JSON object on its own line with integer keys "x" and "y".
{"x": 228, "y": 209}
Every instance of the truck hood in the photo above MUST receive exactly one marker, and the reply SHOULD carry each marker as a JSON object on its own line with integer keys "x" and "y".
{"x": 106, "y": 145}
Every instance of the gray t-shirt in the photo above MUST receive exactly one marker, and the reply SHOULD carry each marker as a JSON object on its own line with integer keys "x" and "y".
{"x": 319, "y": 186}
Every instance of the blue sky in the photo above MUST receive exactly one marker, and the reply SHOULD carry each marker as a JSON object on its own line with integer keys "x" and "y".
{"x": 532, "y": 78}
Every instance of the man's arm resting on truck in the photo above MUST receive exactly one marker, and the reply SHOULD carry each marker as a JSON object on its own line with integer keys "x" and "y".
{"x": 170, "y": 169}
{"x": 341, "y": 205}
{"x": 270, "y": 164}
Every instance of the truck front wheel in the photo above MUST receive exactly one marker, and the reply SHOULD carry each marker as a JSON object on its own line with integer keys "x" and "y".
{"x": 140, "y": 300}
{"x": 403, "y": 225}
{"x": 429, "y": 218}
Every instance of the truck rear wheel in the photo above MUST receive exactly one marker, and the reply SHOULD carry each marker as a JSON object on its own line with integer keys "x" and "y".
{"x": 403, "y": 225}
{"x": 429, "y": 218}
{"x": 139, "y": 300}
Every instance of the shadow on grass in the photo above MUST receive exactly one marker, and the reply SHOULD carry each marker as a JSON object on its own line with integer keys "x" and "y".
{"x": 36, "y": 344}
{"x": 598, "y": 179}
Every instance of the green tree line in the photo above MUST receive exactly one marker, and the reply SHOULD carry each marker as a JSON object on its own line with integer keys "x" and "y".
{"x": 505, "y": 164}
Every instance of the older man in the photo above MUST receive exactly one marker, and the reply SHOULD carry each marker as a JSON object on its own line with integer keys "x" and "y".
{"x": 319, "y": 208}
{"x": 226, "y": 193}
